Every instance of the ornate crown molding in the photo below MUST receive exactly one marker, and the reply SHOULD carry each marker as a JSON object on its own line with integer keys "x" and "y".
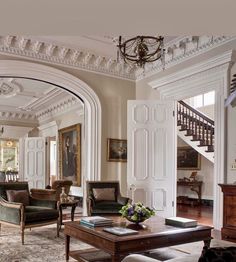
{"x": 53, "y": 53}
{"x": 58, "y": 108}
{"x": 18, "y": 117}
{"x": 62, "y": 106}
{"x": 184, "y": 48}
{"x": 178, "y": 50}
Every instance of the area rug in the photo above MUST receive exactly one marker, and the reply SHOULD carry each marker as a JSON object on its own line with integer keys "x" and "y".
{"x": 42, "y": 245}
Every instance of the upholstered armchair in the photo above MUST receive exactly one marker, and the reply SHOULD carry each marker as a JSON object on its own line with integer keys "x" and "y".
{"x": 54, "y": 192}
{"x": 25, "y": 211}
{"x": 103, "y": 197}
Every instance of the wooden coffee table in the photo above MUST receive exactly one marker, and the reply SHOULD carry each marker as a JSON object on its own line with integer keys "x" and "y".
{"x": 155, "y": 235}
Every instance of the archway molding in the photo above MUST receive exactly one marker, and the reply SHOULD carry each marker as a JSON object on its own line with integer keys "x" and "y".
{"x": 92, "y": 107}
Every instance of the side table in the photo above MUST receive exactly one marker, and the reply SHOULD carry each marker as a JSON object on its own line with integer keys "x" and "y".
{"x": 73, "y": 204}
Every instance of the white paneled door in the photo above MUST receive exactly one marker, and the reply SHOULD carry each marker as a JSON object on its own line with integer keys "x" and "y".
{"x": 151, "y": 173}
{"x": 34, "y": 168}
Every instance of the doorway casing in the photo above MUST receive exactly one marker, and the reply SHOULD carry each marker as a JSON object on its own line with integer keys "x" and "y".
{"x": 212, "y": 74}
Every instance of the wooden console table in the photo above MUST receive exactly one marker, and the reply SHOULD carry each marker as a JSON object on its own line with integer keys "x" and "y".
{"x": 195, "y": 186}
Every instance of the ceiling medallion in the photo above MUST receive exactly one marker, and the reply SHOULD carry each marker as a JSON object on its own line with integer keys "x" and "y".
{"x": 140, "y": 50}
{"x": 9, "y": 87}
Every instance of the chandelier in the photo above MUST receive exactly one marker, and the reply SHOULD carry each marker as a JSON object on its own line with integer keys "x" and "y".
{"x": 140, "y": 50}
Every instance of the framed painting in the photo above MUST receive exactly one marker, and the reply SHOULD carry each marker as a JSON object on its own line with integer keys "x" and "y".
{"x": 116, "y": 150}
{"x": 188, "y": 159}
{"x": 70, "y": 154}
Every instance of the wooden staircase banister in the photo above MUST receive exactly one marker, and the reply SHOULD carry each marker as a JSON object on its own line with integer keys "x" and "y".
{"x": 197, "y": 112}
{"x": 197, "y": 125}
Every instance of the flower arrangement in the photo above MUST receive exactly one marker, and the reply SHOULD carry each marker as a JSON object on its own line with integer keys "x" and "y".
{"x": 136, "y": 212}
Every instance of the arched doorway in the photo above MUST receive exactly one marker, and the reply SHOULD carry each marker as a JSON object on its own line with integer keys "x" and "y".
{"x": 92, "y": 153}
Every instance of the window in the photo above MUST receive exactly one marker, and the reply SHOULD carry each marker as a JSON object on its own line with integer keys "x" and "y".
{"x": 203, "y": 100}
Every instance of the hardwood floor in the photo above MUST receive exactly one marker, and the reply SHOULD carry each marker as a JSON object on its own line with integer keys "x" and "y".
{"x": 203, "y": 214}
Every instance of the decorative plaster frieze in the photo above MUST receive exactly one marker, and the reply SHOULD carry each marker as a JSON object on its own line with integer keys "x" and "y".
{"x": 186, "y": 48}
{"x": 178, "y": 50}
{"x": 16, "y": 116}
{"x": 52, "y": 53}
{"x": 60, "y": 107}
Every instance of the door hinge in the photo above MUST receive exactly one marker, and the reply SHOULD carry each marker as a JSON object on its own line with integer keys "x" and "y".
{"x": 173, "y": 113}
{"x": 173, "y": 203}
{"x": 46, "y": 143}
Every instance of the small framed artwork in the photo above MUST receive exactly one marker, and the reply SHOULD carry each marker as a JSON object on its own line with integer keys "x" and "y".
{"x": 116, "y": 150}
{"x": 70, "y": 154}
{"x": 188, "y": 159}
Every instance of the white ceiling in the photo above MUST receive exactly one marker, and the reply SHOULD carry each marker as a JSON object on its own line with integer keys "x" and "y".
{"x": 27, "y": 95}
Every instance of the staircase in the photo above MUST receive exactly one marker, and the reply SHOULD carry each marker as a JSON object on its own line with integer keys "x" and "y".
{"x": 196, "y": 129}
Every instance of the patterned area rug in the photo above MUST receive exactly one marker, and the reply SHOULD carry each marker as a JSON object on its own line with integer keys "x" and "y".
{"x": 41, "y": 244}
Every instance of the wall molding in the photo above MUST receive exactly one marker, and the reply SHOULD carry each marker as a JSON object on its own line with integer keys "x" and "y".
{"x": 178, "y": 50}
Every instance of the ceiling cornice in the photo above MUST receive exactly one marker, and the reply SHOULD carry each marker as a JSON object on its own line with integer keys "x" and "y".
{"x": 185, "y": 48}
{"x": 58, "y": 54}
{"x": 178, "y": 50}
{"x": 60, "y": 107}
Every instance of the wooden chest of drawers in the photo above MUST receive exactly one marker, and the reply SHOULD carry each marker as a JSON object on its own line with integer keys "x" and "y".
{"x": 228, "y": 230}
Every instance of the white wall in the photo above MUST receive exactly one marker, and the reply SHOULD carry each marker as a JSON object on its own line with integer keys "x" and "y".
{"x": 205, "y": 174}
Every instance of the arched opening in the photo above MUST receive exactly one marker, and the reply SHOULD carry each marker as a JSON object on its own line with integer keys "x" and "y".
{"x": 92, "y": 153}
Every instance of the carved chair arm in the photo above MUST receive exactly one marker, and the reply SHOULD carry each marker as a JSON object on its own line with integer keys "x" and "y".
{"x": 11, "y": 212}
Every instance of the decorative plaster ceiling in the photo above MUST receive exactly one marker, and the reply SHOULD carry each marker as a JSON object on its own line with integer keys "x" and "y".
{"x": 32, "y": 101}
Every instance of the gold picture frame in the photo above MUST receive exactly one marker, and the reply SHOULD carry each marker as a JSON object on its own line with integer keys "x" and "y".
{"x": 188, "y": 159}
{"x": 70, "y": 154}
{"x": 116, "y": 150}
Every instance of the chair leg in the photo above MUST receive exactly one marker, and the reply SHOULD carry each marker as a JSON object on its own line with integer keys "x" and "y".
{"x": 58, "y": 226}
{"x": 22, "y": 236}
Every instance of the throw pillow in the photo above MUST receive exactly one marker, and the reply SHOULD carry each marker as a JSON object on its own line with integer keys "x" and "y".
{"x": 218, "y": 254}
{"x": 19, "y": 196}
{"x": 104, "y": 194}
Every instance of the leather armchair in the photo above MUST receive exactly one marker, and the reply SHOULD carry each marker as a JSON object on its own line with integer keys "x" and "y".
{"x": 100, "y": 207}
{"x": 37, "y": 213}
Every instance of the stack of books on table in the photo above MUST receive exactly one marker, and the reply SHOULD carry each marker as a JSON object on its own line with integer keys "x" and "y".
{"x": 96, "y": 221}
{"x": 181, "y": 222}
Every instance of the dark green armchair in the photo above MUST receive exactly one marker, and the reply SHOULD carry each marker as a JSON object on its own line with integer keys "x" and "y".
{"x": 103, "y": 197}
{"x": 36, "y": 213}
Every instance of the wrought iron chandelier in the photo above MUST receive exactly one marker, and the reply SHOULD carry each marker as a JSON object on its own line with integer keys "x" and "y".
{"x": 140, "y": 50}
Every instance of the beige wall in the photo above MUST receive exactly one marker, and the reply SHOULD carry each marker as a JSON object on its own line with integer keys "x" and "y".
{"x": 113, "y": 94}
